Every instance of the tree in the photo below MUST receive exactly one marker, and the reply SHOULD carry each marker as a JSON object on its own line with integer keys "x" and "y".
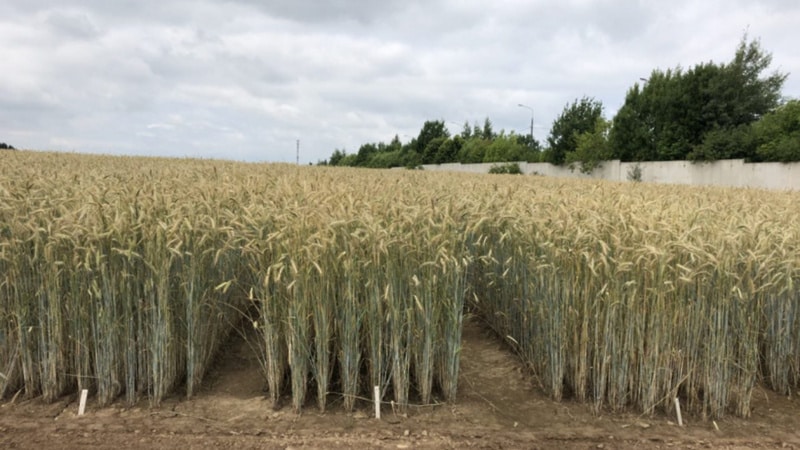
{"x": 434, "y": 145}
{"x": 508, "y": 148}
{"x": 473, "y": 151}
{"x": 488, "y": 130}
{"x": 592, "y": 147}
{"x": 528, "y": 141}
{"x": 348, "y": 160}
{"x": 579, "y": 117}
{"x": 466, "y": 132}
{"x": 337, "y": 157}
{"x": 726, "y": 143}
{"x": 4, "y": 146}
{"x": 431, "y": 130}
{"x": 364, "y": 154}
{"x": 778, "y": 134}
{"x": 701, "y": 113}
{"x": 395, "y": 145}
{"x": 386, "y": 160}
{"x": 632, "y": 136}
{"x": 448, "y": 150}
{"x": 751, "y": 95}
{"x": 430, "y": 154}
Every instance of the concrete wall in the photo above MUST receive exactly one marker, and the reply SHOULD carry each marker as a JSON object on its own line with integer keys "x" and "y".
{"x": 732, "y": 172}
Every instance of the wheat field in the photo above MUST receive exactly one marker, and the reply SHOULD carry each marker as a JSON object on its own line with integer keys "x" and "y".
{"x": 125, "y": 276}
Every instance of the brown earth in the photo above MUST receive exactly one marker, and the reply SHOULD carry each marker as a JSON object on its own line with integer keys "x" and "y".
{"x": 499, "y": 406}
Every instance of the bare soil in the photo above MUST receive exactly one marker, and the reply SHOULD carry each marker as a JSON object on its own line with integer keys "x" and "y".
{"x": 499, "y": 406}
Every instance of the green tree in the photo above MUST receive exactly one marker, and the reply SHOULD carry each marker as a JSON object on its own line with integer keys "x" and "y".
{"x": 466, "y": 131}
{"x": 473, "y": 151}
{"x": 488, "y": 130}
{"x": 632, "y": 136}
{"x": 751, "y": 95}
{"x": 365, "y": 153}
{"x": 430, "y": 154}
{"x": 527, "y": 141}
{"x": 579, "y": 117}
{"x": 395, "y": 144}
{"x": 592, "y": 147}
{"x": 681, "y": 114}
{"x": 337, "y": 157}
{"x": 386, "y": 160}
{"x": 409, "y": 157}
{"x": 348, "y": 160}
{"x": 432, "y": 129}
{"x": 726, "y": 143}
{"x": 778, "y": 134}
{"x": 448, "y": 150}
{"x": 508, "y": 148}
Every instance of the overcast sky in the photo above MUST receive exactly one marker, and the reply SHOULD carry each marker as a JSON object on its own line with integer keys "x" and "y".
{"x": 244, "y": 79}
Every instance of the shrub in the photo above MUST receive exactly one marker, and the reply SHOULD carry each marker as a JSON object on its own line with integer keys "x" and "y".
{"x": 508, "y": 168}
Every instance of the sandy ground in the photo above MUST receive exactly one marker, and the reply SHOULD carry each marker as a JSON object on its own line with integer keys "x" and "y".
{"x": 499, "y": 406}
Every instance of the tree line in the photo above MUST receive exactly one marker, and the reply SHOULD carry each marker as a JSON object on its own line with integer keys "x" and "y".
{"x": 4, "y": 146}
{"x": 435, "y": 145}
{"x": 709, "y": 112}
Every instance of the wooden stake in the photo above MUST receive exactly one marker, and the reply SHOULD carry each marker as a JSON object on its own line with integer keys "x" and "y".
{"x": 377, "y": 402}
{"x": 678, "y": 411}
{"x": 82, "y": 405}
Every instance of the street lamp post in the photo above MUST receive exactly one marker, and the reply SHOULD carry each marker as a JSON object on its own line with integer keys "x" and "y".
{"x": 524, "y": 106}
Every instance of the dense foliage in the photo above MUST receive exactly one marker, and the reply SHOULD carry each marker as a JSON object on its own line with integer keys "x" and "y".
{"x": 777, "y": 134}
{"x": 435, "y": 145}
{"x": 704, "y": 113}
{"x": 709, "y": 112}
{"x": 511, "y": 168}
{"x": 580, "y": 117}
{"x": 591, "y": 147}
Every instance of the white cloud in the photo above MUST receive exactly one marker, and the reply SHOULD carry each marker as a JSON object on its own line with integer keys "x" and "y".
{"x": 245, "y": 79}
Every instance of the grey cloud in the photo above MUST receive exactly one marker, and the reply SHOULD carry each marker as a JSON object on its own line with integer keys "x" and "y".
{"x": 333, "y": 11}
{"x": 73, "y": 24}
{"x": 244, "y": 79}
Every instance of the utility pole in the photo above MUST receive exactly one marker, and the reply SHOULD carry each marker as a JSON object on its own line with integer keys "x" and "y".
{"x": 298, "y": 153}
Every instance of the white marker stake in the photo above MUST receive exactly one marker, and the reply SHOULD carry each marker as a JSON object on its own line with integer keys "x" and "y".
{"x": 678, "y": 411}
{"x": 377, "y": 402}
{"x": 82, "y": 405}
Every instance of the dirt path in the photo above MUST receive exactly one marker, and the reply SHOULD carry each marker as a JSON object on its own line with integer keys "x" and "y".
{"x": 498, "y": 407}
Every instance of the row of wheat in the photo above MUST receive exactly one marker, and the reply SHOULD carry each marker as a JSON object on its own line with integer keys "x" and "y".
{"x": 125, "y": 275}
{"x": 107, "y": 279}
{"x": 632, "y": 295}
{"x": 359, "y": 281}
